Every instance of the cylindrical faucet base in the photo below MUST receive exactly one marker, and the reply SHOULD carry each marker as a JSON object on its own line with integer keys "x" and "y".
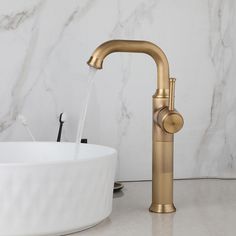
{"x": 162, "y": 208}
{"x": 162, "y": 178}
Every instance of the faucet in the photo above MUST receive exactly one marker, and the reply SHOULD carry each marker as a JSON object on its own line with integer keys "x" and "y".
{"x": 166, "y": 120}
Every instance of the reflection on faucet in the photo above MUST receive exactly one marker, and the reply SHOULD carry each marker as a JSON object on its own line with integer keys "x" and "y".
{"x": 162, "y": 224}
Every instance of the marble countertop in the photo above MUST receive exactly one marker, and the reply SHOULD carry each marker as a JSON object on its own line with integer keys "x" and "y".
{"x": 204, "y": 208}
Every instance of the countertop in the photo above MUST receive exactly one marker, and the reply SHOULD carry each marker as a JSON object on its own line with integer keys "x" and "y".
{"x": 204, "y": 208}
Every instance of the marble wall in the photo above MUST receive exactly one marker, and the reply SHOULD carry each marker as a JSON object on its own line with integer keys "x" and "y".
{"x": 44, "y": 47}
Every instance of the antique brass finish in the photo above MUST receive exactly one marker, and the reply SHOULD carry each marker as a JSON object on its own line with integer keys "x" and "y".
{"x": 169, "y": 121}
{"x": 172, "y": 94}
{"x": 151, "y": 49}
{"x": 166, "y": 120}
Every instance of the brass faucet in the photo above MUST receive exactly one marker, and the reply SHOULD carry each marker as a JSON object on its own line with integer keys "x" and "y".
{"x": 166, "y": 120}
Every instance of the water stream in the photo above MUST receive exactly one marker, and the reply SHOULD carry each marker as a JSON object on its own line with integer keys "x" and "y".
{"x": 83, "y": 111}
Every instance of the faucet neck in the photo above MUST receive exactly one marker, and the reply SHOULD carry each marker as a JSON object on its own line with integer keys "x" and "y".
{"x": 146, "y": 47}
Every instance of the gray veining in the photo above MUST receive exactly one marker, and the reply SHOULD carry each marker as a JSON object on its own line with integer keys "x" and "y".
{"x": 44, "y": 46}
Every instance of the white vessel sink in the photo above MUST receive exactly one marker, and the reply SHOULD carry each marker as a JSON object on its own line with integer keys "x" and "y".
{"x": 44, "y": 191}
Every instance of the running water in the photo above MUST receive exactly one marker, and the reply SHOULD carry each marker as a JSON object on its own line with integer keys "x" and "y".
{"x": 83, "y": 112}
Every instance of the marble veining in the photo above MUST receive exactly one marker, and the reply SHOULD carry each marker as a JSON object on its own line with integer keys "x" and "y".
{"x": 128, "y": 24}
{"x": 216, "y": 143}
{"x": 43, "y": 55}
{"x": 17, "y": 93}
{"x": 13, "y": 21}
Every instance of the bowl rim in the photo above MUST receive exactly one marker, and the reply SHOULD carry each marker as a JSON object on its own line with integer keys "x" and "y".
{"x": 111, "y": 153}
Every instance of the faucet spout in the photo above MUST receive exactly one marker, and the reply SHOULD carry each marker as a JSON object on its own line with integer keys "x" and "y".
{"x": 96, "y": 60}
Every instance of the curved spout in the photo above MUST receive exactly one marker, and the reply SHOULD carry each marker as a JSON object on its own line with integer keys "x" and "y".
{"x": 149, "y": 48}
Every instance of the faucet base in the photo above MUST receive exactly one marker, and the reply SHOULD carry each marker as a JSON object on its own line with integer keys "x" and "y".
{"x": 162, "y": 208}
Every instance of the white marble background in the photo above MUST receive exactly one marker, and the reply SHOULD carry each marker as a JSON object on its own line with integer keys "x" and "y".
{"x": 44, "y": 46}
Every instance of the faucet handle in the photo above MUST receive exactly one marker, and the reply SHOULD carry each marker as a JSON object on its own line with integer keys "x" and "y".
{"x": 172, "y": 94}
{"x": 169, "y": 119}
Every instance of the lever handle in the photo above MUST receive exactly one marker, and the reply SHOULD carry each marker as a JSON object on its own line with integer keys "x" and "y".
{"x": 168, "y": 118}
{"x": 172, "y": 94}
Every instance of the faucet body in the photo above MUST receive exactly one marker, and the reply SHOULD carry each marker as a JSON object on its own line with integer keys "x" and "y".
{"x": 166, "y": 120}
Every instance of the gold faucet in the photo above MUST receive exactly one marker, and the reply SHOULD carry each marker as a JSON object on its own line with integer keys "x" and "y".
{"x": 166, "y": 120}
